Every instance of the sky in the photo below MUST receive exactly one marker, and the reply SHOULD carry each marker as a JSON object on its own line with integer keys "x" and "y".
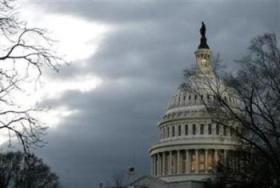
{"x": 126, "y": 60}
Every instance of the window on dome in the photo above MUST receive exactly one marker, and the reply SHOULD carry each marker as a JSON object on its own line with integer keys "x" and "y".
{"x": 173, "y": 130}
{"x": 209, "y": 129}
{"x": 186, "y": 130}
{"x": 190, "y": 97}
{"x": 201, "y": 129}
{"x": 217, "y": 129}
{"x": 179, "y": 130}
{"x": 194, "y": 129}
{"x": 225, "y": 130}
{"x": 168, "y": 131}
{"x": 231, "y": 131}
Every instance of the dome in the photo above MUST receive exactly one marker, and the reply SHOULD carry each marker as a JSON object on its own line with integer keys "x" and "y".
{"x": 191, "y": 143}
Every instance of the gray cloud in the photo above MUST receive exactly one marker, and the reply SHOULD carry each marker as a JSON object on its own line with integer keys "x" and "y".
{"x": 141, "y": 63}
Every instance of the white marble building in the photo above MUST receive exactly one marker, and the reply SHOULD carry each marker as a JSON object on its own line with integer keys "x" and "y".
{"x": 191, "y": 144}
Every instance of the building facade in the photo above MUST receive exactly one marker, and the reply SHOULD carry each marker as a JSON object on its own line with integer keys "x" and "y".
{"x": 191, "y": 143}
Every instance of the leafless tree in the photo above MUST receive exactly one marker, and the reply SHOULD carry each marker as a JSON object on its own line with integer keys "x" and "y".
{"x": 251, "y": 99}
{"x": 24, "y": 53}
{"x": 14, "y": 173}
{"x": 118, "y": 180}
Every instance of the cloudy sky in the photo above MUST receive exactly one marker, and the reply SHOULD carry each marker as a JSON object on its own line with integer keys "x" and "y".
{"x": 127, "y": 59}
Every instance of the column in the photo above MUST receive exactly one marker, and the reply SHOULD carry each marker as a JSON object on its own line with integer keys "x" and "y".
{"x": 178, "y": 162}
{"x": 196, "y": 161}
{"x": 159, "y": 164}
{"x": 152, "y": 165}
{"x": 216, "y": 157}
{"x": 187, "y": 170}
{"x": 206, "y": 161}
{"x": 225, "y": 157}
{"x": 163, "y": 164}
{"x": 155, "y": 165}
{"x": 170, "y": 163}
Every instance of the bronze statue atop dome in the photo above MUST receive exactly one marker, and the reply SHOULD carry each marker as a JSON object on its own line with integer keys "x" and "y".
{"x": 203, "y": 30}
{"x": 203, "y": 39}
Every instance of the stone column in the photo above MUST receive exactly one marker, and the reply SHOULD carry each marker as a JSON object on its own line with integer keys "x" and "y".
{"x": 156, "y": 165}
{"x": 178, "y": 162}
{"x": 216, "y": 156}
{"x": 156, "y": 157}
{"x": 196, "y": 161}
{"x": 152, "y": 165}
{"x": 187, "y": 167}
{"x": 159, "y": 164}
{"x": 206, "y": 161}
{"x": 225, "y": 157}
{"x": 170, "y": 163}
{"x": 163, "y": 164}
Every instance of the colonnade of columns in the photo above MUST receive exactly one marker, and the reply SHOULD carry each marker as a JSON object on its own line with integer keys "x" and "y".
{"x": 187, "y": 161}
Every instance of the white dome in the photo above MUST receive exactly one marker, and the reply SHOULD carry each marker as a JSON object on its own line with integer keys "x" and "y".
{"x": 191, "y": 143}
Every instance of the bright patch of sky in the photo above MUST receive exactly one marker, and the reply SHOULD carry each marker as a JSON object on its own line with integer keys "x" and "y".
{"x": 75, "y": 40}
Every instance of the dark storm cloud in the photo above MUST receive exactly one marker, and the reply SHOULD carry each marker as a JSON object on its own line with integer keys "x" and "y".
{"x": 141, "y": 62}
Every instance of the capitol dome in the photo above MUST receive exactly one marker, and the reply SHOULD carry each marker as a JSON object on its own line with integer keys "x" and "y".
{"x": 191, "y": 142}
